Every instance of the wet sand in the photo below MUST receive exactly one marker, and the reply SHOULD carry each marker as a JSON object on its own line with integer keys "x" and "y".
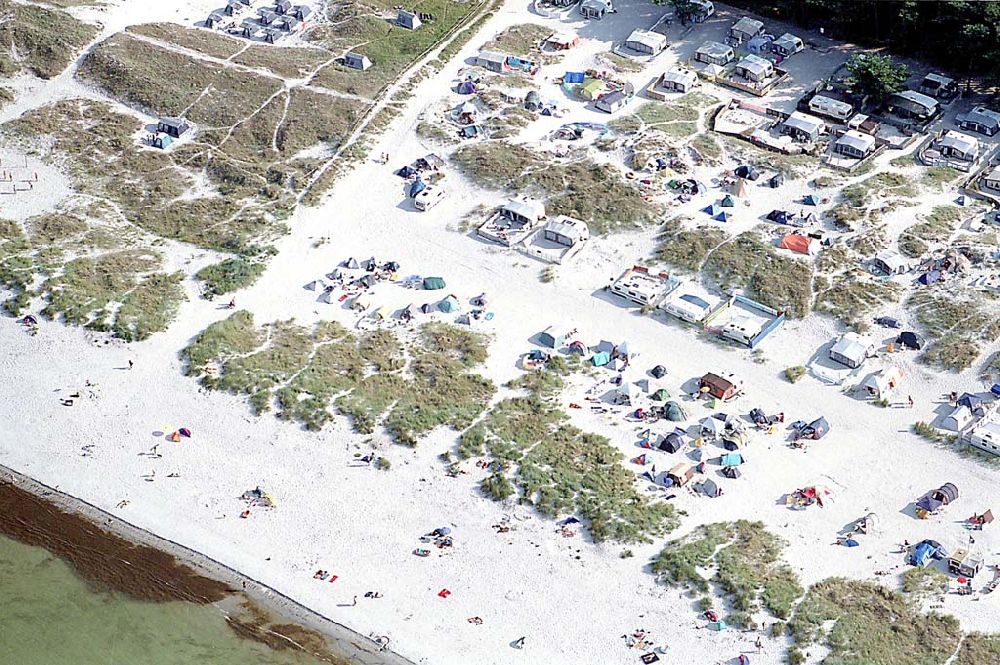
{"x": 111, "y": 555}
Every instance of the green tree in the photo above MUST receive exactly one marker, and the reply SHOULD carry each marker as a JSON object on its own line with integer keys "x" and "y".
{"x": 877, "y": 75}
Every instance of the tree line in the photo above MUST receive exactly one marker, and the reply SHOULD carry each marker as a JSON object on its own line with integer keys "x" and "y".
{"x": 959, "y": 36}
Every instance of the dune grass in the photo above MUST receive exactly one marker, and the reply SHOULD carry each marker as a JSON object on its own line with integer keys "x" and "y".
{"x": 209, "y": 42}
{"x": 373, "y": 378}
{"x": 959, "y": 325}
{"x": 542, "y": 461}
{"x": 772, "y": 279}
{"x": 39, "y": 40}
{"x": 595, "y": 193}
{"x": 687, "y": 249}
{"x": 524, "y": 40}
{"x": 851, "y": 298}
{"x": 978, "y": 648}
{"x": 871, "y": 624}
{"x": 745, "y": 558}
{"x": 937, "y": 227}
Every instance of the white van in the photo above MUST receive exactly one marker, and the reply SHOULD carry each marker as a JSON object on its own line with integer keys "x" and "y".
{"x": 428, "y": 197}
{"x": 831, "y": 108}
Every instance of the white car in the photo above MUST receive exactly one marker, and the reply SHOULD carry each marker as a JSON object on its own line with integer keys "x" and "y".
{"x": 428, "y": 197}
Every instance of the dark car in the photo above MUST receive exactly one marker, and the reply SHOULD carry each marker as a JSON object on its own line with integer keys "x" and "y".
{"x": 888, "y": 322}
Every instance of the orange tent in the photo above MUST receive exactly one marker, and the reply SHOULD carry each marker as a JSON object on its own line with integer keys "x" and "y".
{"x": 800, "y": 244}
{"x": 175, "y": 437}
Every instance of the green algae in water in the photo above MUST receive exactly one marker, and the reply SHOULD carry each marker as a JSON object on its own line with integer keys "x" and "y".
{"x": 49, "y": 616}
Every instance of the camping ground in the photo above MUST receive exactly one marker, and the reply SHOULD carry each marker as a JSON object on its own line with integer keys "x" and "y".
{"x": 291, "y": 388}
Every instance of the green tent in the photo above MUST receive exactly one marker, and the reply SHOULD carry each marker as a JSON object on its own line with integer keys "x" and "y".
{"x": 592, "y": 89}
{"x": 449, "y": 304}
{"x": 660, "y": 395}
{"x": 727, "y": 201}
{"x": 674, "y": 412}
{"x": 433, "y": 283}
{"x": 601, "y": 359}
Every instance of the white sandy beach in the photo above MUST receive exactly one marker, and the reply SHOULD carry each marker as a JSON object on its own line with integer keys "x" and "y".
{"x": 572, "y": 599}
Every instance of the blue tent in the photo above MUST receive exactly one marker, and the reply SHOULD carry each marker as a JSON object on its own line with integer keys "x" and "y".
{"x": 406, "y": 172}
{"x": 929, "y": 277}
{"x": 811, "y": 200}
{"x": 573, "y": 77}
{"x": 466, "y": 88}
{"x": 601, "y": 359}
{"x": 922, "y": 554}
{"x": 732, "y": 459}
{"x": 778, "y": 216}
{"x": 712, "y": 210}
{"x": 449, "y": 304}
{"x": 850, "y": 542}
{"x": 417, "y": 187}
{"x": 723, "y": 217}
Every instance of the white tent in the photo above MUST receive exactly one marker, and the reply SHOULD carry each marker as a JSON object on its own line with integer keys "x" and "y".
{"x": 851, "y": 350}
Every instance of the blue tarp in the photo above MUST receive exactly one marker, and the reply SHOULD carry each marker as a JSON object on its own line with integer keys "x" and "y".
{"x": 601, "y": 359}
{"x": 573, "y": 77}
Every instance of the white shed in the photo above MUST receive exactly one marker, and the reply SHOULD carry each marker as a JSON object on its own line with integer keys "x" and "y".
{"x": 678, "y": 80}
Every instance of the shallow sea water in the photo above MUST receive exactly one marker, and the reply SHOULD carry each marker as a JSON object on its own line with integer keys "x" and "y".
{"x": 49, "y": 616}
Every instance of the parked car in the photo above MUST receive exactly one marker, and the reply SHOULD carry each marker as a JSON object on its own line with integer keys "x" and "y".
{"x": 888, "y": 322}
{"x": 429, "y": 197}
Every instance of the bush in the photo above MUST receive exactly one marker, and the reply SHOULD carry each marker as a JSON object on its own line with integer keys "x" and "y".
{"x": 793, "y": 374}
{"x": 498, "y": 487}
{"x": 383, "y": 464}
{"x": 229, "y": 275}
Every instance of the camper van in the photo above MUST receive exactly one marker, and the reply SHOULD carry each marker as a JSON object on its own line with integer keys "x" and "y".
{"x": 831, "y": 108}
{"x": 429, "y": 197}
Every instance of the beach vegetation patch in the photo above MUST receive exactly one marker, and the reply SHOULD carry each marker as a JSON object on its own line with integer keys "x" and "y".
{"x": 959, "y": 324}
{"x": 543, "y": 461}
{"x": 772, "y": 279}
{"x": 40, "y": 40}
{"x": 978, "y": 648}
{"x": 595, "y": 193}
{"x": 209, "y": 42}
{"x": 374, "y": 378}
{"x": 743, "y": 560}
{"x": 864, "y": 622}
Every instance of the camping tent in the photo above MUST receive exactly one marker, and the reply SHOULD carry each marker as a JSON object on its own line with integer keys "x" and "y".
{"x": 882, "y": 384}
{"x": 776, "y": 181}
{"x": 929, "y": 277}
{"x": 550, "y": 338}
{"x": 681, "y": 474}
{"x": 815, "y": 430}
{"x": 449, "y": 305}
{"x": 747, "y": 171}
{"x": 723, "y": 217}
{"x": 727, "y": 201}
{"x": 362, "y": 301}
{"x": 351, "y": 263}
{"x": 658, "y": 372}
{"x": 731, "y": 472}
{"x": 673, "y": 412}
{"x": 970, "y": 401}
{"x": 910, "y": 340}
{"x": 315, "y": 285}
{"x": 779, "y": 217}
{"x": 811, "y": 200}
{"x": 800, "y": 244}
{"x": 671, "y": 443}
{"x": 850, "y": 350}
{"x": 601, "y": 359}
{"x": 712, "y": 427}
{"x": 709, "y": 488}
{"x": 712, "y": 210}
{"x": 433, "y": 283}
{"x": 660, "y": 395}
{"x": 731, "y": 459}
{"x": 466, "y": 88}
{"x": 934, "y": 499}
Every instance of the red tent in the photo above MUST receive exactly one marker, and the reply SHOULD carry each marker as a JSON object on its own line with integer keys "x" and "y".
{"x": 800, "y": 244}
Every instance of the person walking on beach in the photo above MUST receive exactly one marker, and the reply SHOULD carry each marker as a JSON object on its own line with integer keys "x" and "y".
{"x": 130, "y": 364}
{"x": 518, "y": 643}
{"x": 910, "y": 400}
